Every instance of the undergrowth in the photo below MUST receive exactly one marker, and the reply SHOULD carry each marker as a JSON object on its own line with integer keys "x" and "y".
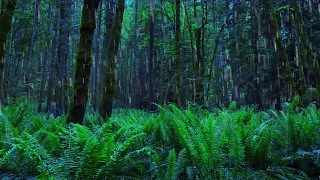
{"x": 172, "y": 144}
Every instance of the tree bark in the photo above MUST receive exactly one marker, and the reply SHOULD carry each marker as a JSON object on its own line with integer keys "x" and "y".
{"x": 5, "y": 25}
{"x": 136, "y": 59}
{"x": 109, "y": 76}
{"x": 178, "y": 52}
{"x": 63, "y": 58}
{"x": 53, "y": 60}
{"x": 84, "y": 60}
{"x": 95, "y": 67}
{"x": 309, "y": 55}
{"x": 151, "y": 56}
{"x": 28, "y": 70}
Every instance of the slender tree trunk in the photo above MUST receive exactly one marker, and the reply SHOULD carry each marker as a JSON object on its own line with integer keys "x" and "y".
{"x": 5, "y": 25}
{"x": 136, "y": 59}
{"x": 10, "y": 64}
{"x": 84, "y": 60}
{"x": 53, "y": 59}
{"x": 178, "y": 52}
{"x": 109, "y": 76}
{"x": 254, "y": 95}
{"x": 199, "y": 67}
{"x": 62, "y": 58}
{"x": 95, "y": 67}
{"x": 28, "y": 70}
{"x": 109, "y": 24}
{"x": 151, "y": 56}
{"x": 43, "y": 79}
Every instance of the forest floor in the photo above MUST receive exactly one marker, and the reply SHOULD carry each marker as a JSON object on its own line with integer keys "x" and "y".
{"x": 228, "y": 143}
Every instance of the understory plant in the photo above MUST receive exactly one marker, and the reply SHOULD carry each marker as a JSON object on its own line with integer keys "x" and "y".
{"x": 172, "y": 144}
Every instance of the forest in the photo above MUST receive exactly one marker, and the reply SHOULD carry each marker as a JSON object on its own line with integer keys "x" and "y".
{"x": 159, "y": 89}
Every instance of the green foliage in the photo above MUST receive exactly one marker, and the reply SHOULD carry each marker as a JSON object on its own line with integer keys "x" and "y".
{"x": 285, "y": 8}
{"x": 174, "y": 144}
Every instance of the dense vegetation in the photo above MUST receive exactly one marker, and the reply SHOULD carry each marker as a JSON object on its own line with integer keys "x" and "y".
{"x": 174, "y": 144}
{"x": 68, "y": 54}
{"x": 167, "y": 89}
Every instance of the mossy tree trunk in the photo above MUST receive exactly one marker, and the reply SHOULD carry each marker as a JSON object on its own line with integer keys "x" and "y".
{"x": 84, "y": 61}
{"x": 109, "y": 74}
{"x": 53, "y": 60}
{"x": 6, "y": 14}
{"x": 199, "y": 67}
{"x": 178, "y": 52}
{"x": 151, "y": 98}
{"x": 309, "y": 61}
{"x": 137, "y": 59}
{"x": 280, "y": 48}
{"x": 95, "y": 67}
{"x": 63, "y": 53}
{"x": 254, "y": 90}
{"x": 28, "y": 70}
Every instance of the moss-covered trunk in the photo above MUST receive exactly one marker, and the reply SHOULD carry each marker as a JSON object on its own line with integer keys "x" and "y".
{"x": 109, "y": 74}
{"x": 309, "y": 62}
{"x": 84, "y": 61}
{"x": 178, "y": 52}
{"x": 199, "y": 67}
{"x": 280, "y": 48}
{"x": 6, "y": 14}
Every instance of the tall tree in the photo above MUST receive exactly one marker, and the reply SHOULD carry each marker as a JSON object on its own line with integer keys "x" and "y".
{"x": 84, "y": 60}
{"x": 53, "y": 59}
{"x": 28, "y": 70}
{"x": 6, "y": 14}
{"x": 151, "y": 56}
{"x": 136, "y": 58}
{"x": 199, "y": 35}
{"x": 96, "y": 62}
{"x": 109, "y": 74}
{"x": 63, "y": 50}
{"x": 177, "y": 97}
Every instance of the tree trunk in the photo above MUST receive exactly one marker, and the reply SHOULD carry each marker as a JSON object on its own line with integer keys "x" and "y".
{"x": 109, "y": 76}
{"x": 84, "y": 60}
{"x": 136, "y": 59}
{"x": 254, "y": 95}
{"x": 177, "y": 60}
{"x": 43, "y": 80}
{"x": 280, "y": 48}
{"x": 95, "y": 67}
{"x": 63, "y": 58}
{"x": 28, "y": 70}
{"x": 109, "y": 24}
{"x": 5, "y": 24}
{"x": 309, "y": 55}
{"x": 53, "y": 59}
{"x": 199, "y": 67}
{"x": 151, "y": 56}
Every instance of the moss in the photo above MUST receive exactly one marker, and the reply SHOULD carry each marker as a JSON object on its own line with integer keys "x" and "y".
{"x": 109, "y": 76}
{"x": 286, "y": 69}
{"x": 310, "y": 58}
{"x": 84, "y": 61}
{"x": 5, "y": 24}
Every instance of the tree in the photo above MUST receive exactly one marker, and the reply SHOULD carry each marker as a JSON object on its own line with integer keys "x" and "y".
{"x": 177, "y": 99}
{"x": 84, "y": 60}
{"x": 6, "y": 14}
{"x": 151, "y": 57}
{"x": 109, "y": 74}
{"x": 28, "y": 70}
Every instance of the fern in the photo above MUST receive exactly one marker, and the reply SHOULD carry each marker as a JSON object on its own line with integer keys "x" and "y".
{"x": 172, "y": 167}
